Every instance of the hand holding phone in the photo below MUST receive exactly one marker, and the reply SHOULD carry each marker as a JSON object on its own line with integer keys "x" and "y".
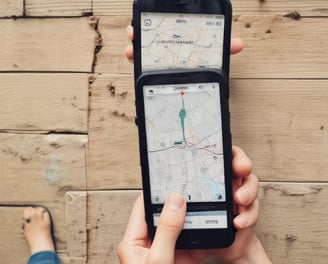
{"x": 136, "y": 247}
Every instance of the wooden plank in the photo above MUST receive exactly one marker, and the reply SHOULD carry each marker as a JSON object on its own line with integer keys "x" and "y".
{"x": 277, "y": 122}
{"x": 41, "y": 168}
{"x": 313, "y": 8}
{"x": 70, "y": 230}
{"x": 10, "y": 8}
{"x": 112, "y": 8}
{"x": 292, "y": 226}
{"x": 113, "y": 159}
{"x": 12, "y": 242}
{"x": 57, "y": 7}
{"x": 65, "y": 44}
{"x": 274, "y": 47}
{"x": 108, "y": 213}
{"x": 75, "y": 226}
{"x": 293, "y": 222}
{"x": 278, "y": 47}
{"x": 44, "y": 102}
{"x": 282, "y": 124}
{"x": 111, "y": 58}
{"x": 281, "y": 7}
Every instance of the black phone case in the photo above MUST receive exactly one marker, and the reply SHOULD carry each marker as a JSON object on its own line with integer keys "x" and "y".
{"x": 189, "y": 239}
{"x": 182, "y": 6}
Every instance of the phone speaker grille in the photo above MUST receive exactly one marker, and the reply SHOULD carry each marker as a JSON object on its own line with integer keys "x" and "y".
{"x": 182, "y": 2}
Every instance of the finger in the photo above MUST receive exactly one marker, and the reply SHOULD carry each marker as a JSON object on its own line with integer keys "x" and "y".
{"x": 237, "y": 45}
{"x": 168, "y": 229}
{"x": 129, "y": 53}
{"x": 248, "y": 216}
{"x": 129, "y": 32}
{"x": 241, "y": 165}
{"x": 247, "y": 193}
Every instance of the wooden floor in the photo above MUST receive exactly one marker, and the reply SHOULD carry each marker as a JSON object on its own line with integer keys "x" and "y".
{"x": 68, "y": 139}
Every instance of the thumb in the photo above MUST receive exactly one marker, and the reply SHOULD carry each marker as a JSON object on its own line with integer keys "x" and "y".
{"x": 169, "y": 227}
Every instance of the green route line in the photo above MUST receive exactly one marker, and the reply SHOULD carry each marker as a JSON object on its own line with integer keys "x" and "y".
{"x": 182, "y": 115}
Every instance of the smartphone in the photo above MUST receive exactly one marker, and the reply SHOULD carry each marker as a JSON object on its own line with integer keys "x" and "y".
{"x": 185, "y": 146}
{"x": 181, "y": 34}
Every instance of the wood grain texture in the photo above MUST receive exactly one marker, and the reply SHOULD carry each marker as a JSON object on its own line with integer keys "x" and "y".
{"x": 57, "y": 7}
{"x": 111, "y": 58}
{"x": 65, "y": 44}
{"x": 41, "y": 168}
{"x": 113, "y": 159}
{"x": 12, "y": 242}
{"x": 278, "y": 47}
{"x": 9, "y": 8}
{"x": 305, "y": 8}
{"x": 108, "y": 214}
{"x": 288, "y": 233}
{"x": 75, "y": 225}
{"x": 293, "y": 225}
{"x": 112, "y": 8}
{"x": 275, "y": 47}
{"x": 281, "y": 7}
{"x": 282, "y": 125}
{"x": 44, "y": 102}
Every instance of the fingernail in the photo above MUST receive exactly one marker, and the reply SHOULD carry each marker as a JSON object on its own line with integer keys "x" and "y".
{"x": 241, "y": 221}
{"x": 175, "y": 201}
{"x": 244, "y": 196}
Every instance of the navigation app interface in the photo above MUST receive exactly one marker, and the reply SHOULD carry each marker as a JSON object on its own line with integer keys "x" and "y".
{"x": 184, "y": 141}
{"x": 170, "y": 41}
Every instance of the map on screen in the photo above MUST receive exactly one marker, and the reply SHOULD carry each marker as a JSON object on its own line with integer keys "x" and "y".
{"x": 184, "y": 141}
{"x": 170, "y": 41}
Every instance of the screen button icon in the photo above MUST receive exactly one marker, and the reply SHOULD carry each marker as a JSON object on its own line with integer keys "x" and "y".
{"x": 147, "y": 22}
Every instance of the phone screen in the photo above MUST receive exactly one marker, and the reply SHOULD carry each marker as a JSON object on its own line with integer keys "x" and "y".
{"x": 170, "y": 41}
{"x": 185, "y": 148}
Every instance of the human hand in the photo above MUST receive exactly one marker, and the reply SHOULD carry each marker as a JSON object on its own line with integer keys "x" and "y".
{"x": 136, "y": 247}
{"x": 237, "y": 44}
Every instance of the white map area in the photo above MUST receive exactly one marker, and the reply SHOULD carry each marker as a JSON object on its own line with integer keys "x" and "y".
{"x": 181, "y": 41}
{"x": 184, "y": 141}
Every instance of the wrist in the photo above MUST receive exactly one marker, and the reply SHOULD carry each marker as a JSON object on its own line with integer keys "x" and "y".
{"x": 254, "y": 255}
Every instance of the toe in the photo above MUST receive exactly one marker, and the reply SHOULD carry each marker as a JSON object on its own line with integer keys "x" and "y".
{"x": 28, "y": 212}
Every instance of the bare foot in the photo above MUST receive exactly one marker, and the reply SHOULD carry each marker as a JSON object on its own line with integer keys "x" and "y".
{"x": 37, "y": 229}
